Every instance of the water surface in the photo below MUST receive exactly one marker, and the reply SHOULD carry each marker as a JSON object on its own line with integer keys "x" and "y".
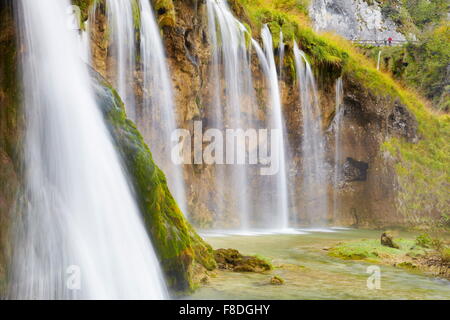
{"x": 310, "y": 273}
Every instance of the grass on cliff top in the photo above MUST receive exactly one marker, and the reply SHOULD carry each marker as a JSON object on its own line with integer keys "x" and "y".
{"x": 423, "y": 167}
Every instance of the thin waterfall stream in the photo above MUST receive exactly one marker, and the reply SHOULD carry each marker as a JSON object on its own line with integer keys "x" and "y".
{"x": 157, "y": 121}
{"x": 231, "y": 52}
{"x": 313, "y": 145}
{"x": 123, "y": 47}
{"x": 77, "y": 216}
{"x": 338, "y": 121}
{"x": 276, "y": 121}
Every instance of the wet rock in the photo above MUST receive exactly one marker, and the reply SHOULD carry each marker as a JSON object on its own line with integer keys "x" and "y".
{"x": 276, "y": 280}
{"x": 355, "y": 170}
{"x": 402, "y": 123}
{"x": 231, "y": 259}
{"x": 388, "y": 240}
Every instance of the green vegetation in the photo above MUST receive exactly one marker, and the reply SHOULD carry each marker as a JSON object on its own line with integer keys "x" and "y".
{"x": 181, "y": 251}
{"x": 373, "y": 251}
{"x": 424, "y": 253}
{"x": 423, "y": 170}
{"x": 85, "y": 6}
{"x": 423, "y": 65}
{"x": 165, "y": 12}
{"x": 413, "y": 16}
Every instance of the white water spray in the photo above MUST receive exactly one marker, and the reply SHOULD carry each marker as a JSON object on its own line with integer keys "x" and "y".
{"x": 338, "y": 119}
{"x": 231, "y": 52}
{"x": 157, "y": 121}
{"x": 313, "y": 145}
{"x": 281, "y": 53}
{"x": 122, "y": 39}
{"x": 276, "y": 121}
{"x": 79, "y": 233}
{"x": 379, "y": 60}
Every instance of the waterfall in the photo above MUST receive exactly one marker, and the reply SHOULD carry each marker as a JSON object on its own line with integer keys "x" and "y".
{"x": 122, "y": 45}
{"x": 276, "y": 121}
{"x": 85, "y": 50}
{"x": 230, "y": 97}
{"x": 79, "y": 233}
{"x": 339, "y": 114}
{"x": 379, "y": 59}
{"x": 281, "y": 53}
{"x": 157, "y": 121}
{"x": 313, "y": 144}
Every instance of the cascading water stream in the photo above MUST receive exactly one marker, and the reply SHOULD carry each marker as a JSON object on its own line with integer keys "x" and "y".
{"x": 313, "y": 144}
{"x": 228, "y": 38}
{"x": 79, "y": 233}
{"x": 276, "y": 121}
{"x": 281, "y": 53}
{"x": 337, "y": 145}
{"x": 157, "y": 121}
{"x": 85, "y": 50}
{"x": 122, "y": 39}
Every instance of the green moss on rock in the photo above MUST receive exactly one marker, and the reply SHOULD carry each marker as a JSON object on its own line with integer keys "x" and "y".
{"x": 231, "y": 259}
{"x": 179, "y": 248}
{"x": 165, "y": 12}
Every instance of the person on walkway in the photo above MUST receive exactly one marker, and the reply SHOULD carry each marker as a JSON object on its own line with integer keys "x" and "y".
{"x": 390, "y": 41}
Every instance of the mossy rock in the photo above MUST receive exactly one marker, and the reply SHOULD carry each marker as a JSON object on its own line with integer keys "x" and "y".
{"x": 276, "y": 280}
{"x": 165, "y": 12}
{"x": 179, "y": 248}
{"x": 373, "y": 250}
{"x": 446, "y": 255}
{"x": 231, "y": 259}
{"x": 387, "y": 240}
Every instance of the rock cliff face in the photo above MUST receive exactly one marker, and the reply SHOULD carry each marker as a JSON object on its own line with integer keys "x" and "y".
{"x": 353, "y": 19}
{"x": 369, "y": 187}
{"x": 368, "y": 190}
{"x": 10, "y": 133}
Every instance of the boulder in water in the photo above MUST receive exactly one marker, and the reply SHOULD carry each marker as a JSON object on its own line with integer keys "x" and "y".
{"x": 388, "y": 240}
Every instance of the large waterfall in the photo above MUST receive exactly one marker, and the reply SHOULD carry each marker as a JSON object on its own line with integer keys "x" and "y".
{"x": 315, "y": 206}
{"x": 156, "y": 117}
{"x": 79, "y": 232}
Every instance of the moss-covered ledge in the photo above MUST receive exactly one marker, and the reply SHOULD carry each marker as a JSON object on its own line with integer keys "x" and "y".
{"x": 182, "y": 252}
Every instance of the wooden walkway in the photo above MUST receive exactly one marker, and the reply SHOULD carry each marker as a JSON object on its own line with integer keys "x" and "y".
{"x": 382, "y": 43}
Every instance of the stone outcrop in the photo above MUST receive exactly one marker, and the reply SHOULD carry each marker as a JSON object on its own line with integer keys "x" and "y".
{"x": 353, "y": 19}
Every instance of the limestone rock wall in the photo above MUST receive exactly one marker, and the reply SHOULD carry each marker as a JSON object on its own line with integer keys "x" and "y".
{"x": 353, "y": 19}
